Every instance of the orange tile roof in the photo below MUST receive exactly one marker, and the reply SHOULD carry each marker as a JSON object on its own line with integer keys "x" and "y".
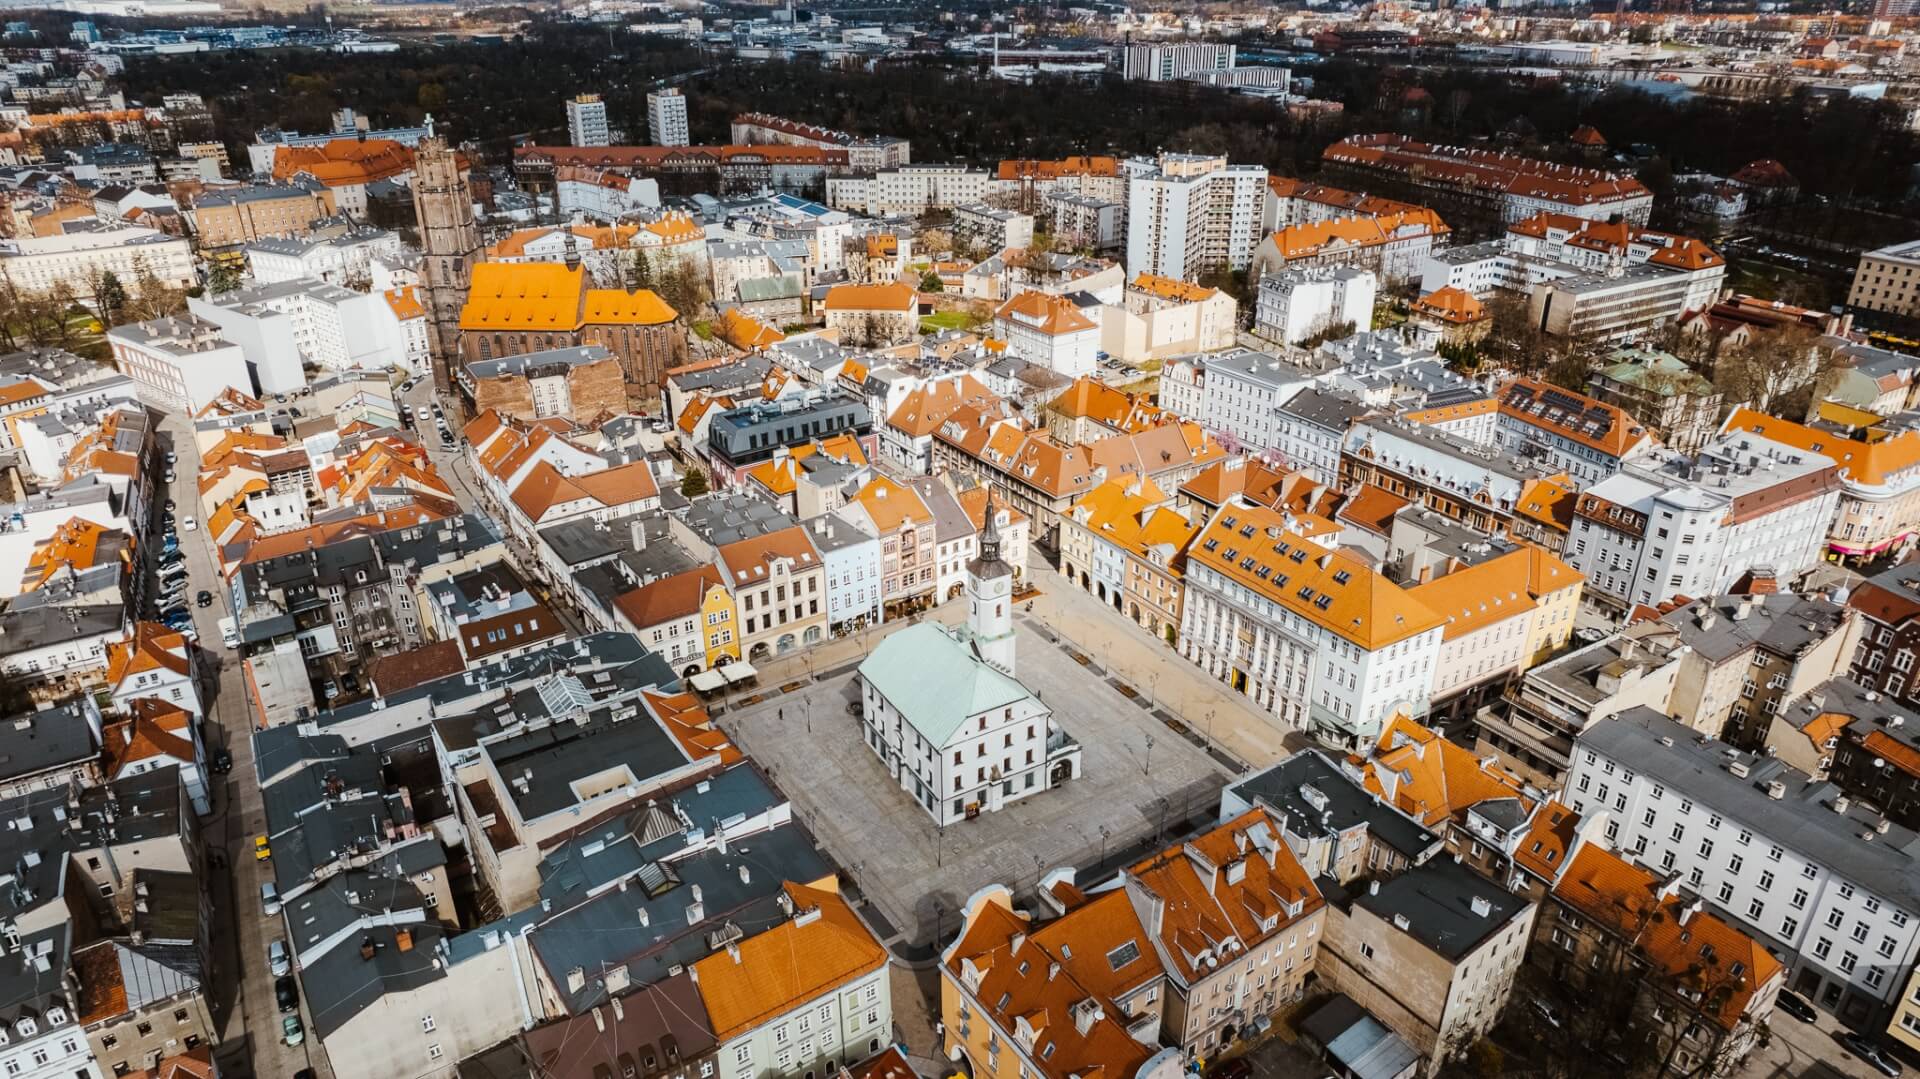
{"x": 1204, "y": 907}
{"x": 544, "y": 488}
{"x": 823, "y": 947}
{"x": 76, "y": 545}
{"x": 1360, "y": 605}
{"x": 23, "y": 390}
{"x": 1432, "y": 779}
{"x": 1129, "y": 513}
{"x": 1869, "y": 463}
{"x": 892, "y": 506}
{"x": 156, "y": 729}
{"x": 1433, "y": 417}
{"x": 897, "y": 296}
{"x": 1549, "y": 500}
{"x": 1588, "y": 135}
{"x": 1018, "y": 986}
{"x": 780, "y": 474}
{"x": 1258, "y": 481}
{"x": 1551, "y": 833}
{"x": 103, "y": 992}
{"x": 1614, "y": 237}
{"x": 1089, "y": 398}
{"x": 420, "y": 511}
{"x": 747, "y": 559}
{"x": 685, "y": 718}
{"x": 1453, "y": 305}
{"x": 1050, "y": 314}
{"x": 1372, "y": 508}
{"x": 152, "y": 647}
{"x": 668, "y": 598}
{"x": 1485, "y": 169}
{"x": 743, "y": 331}
{"x": 1310, "y": 238}
{"x": 619, "y": 485}
{"x": 552, "y": 296}
{"x": 676, "y": 228}
{"x": 1031, "y": 169}
{"x": 922, "y": 411}
{"x": 1172, "y": 288}
{"x": 1526, "y": 400}
{"x": 405, "y": 302}
{"x": 973, "y": 502}
{"x": 1696, "y": 952}
{"x": 1895, "y": 752}
{"x": 343, "y": 162}
{"x": 1474, "y": 597}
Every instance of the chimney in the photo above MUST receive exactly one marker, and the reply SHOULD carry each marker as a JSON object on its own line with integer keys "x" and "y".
{"x": 366, "y": 948}
{"x": 638, "y": 530}
{"x": 403, "y": 939}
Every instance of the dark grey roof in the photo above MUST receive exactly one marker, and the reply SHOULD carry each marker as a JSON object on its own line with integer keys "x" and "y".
{"x": 668, "y": 1010}
{"x": 24, "y": 630}
{"x": 1802, "y": 819}
{"x": 663, "y": 827}
{"x": 607, "y": 930}
{"x": 547, "y": 761}
{"x": 1437, "y": 901}
{"x": 1324, "y": 409}
{"x": 1781, "y": 623}
{"x": 729, "y": 516}
{"x": 35, "y": 742}
{"x": 950, "y": 522}
{"x": 1318, "y": 800}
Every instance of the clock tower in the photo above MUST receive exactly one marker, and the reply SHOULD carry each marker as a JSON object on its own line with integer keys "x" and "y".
{"x": 990, "y": 597}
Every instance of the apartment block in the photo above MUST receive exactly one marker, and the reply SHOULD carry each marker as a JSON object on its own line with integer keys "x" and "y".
{"x": 1824, "y": 881}
{"x": 1887, "y": 281}
{"x": 1189, "y": 213}
{"x": 1297, "y": 303}
{"x": 1672, "y": 525}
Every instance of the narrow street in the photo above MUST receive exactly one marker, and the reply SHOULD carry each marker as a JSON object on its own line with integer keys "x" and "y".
{"x": 242, "y": 988}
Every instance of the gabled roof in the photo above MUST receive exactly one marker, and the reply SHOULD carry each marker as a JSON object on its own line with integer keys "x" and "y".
{"x": 936, "y": 681}
{"x": 1548, "y": 500}
{"x": 1252, "y": 546}
{"x": 1430, "y": 778}
{"x": 1692, "y": 949}
{"x": 1045, "y": 313}
{"x": 896, "y": 296}
{"x": 152, "y": 647}
{"x": 1453, "y": 305}
{"x": 1869, "y": 463}
{"x": 821, "y": 947}
{"x": 155, "y": 729}
{"x": 679, "y": 595}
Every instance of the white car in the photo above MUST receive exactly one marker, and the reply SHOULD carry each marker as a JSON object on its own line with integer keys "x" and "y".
{"x": 187, "y": 524}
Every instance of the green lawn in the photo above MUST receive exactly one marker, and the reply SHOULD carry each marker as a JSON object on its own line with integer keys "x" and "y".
{"x": 703, "y": 330}
{"x": 947, "y": 320}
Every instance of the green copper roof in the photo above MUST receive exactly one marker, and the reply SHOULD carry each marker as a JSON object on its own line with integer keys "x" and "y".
{"x": 936, "y": 681}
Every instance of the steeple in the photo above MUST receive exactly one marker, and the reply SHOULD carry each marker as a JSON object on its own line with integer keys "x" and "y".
{"x": 573, "y": 251}
{"x": 990, "y": 596}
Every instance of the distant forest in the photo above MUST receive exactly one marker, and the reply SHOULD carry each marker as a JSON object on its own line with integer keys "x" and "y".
{"x": 493, "y": 95}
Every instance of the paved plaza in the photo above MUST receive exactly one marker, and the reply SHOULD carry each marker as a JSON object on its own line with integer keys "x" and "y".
{"x": 916, "y": 874}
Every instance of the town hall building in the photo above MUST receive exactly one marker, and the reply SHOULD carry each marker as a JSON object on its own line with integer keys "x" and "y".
{"x": 946, "y": 715}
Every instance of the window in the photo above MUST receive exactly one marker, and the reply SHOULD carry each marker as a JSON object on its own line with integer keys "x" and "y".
{"x": 1366, "y": 949}
{"x": 1848, "y": 961}
{"x": 1833, "y": 919}
{"x": 1822, "y": 948}
{"x": 1799, "y": 899}
{"x": 433, "y": 1051}
{"x": 1788, "y": 927}
{"x": 1755, "y": 908}
{"x": 1766, "y": 877}
{"x": 426, "y": 1024}
{"x": 1726, "y": 892}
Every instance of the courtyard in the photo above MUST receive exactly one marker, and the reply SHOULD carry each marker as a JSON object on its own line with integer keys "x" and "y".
{"x": 1140, "y": 780}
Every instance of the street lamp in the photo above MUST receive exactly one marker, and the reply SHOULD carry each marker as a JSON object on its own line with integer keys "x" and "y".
{"x": 1147, "y": 768}
{"x": 1102, "y": 863}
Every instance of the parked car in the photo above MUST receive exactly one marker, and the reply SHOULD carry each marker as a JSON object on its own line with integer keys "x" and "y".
{"x": 277, "y": 959}
{"x": 222, "y": 761}
{"x": 167, "y": 477}
{"x": 1871, "y": 1054}
{"x": 189, "y": 525}
{"x": 1793, "y": 1005}
{"x": 172, "y": 457}
{"x": 169, "y": 506}
{"x": 291, "y": 1031}
{"x": 204, "y": 599}
{"x": 1237, "y": 1068}
{"x": 286, "y": 993}
{"x": 269, "y": 899}
{"x": 406, "y": 386}
{"x": 261, "y": 850}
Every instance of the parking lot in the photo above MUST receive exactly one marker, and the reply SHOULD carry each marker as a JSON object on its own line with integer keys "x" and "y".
{"x": 918, "y": 875}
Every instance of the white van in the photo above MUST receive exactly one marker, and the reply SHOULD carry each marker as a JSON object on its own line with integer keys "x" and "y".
{"x": 229, "y": 632}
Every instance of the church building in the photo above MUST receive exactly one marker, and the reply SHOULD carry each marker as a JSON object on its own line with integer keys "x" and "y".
{"x": 944, "y": 712}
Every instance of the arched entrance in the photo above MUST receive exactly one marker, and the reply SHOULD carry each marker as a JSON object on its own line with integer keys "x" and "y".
{"x": 759, "y": 653}
{"x": 785, "y": 644}
{"x": 812, "y": 636}
{"x": 692, "y": 669}
{"x": 1133, "y": 611}
{"x": 954, "y": 592}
